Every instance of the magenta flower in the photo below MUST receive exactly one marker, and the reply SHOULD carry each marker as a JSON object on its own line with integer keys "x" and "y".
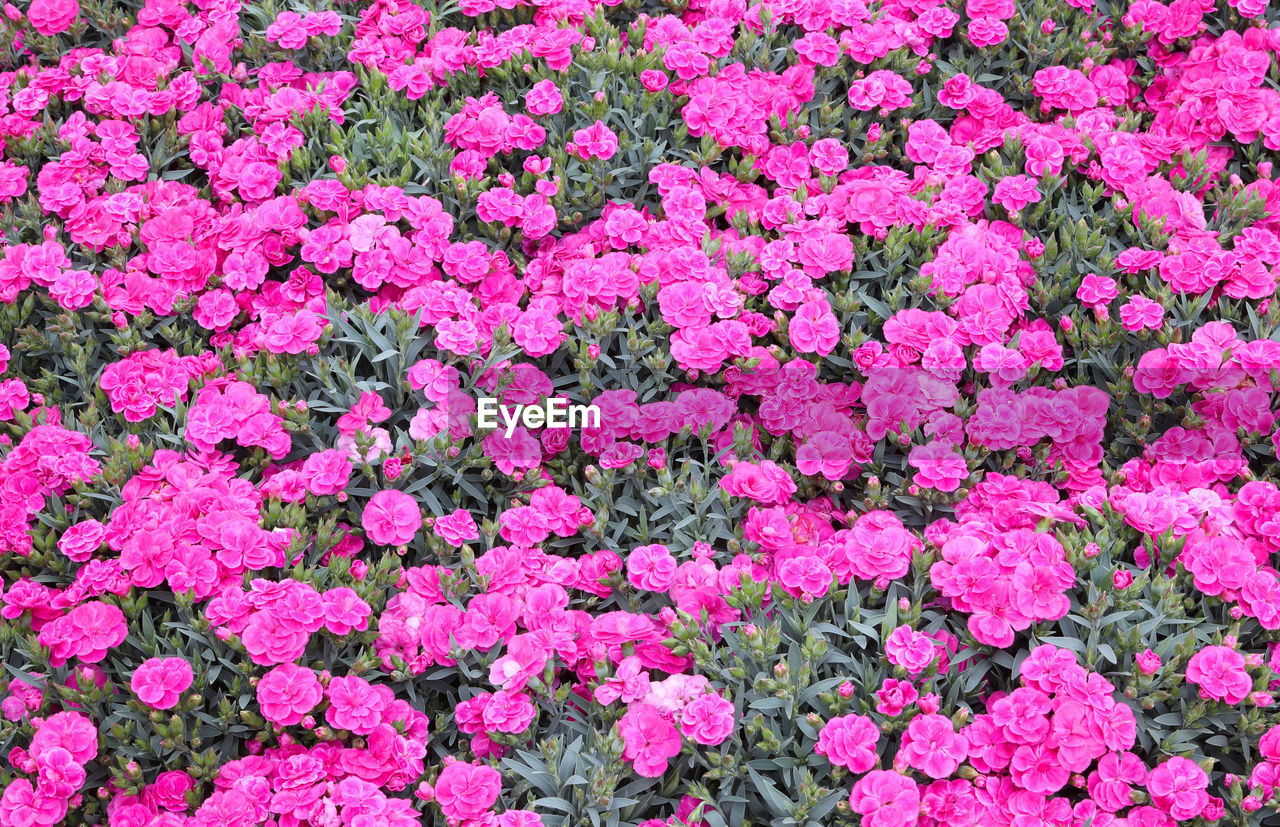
{"x": 465, "y": 791}
{"x": 885, "y": 799}
{"x": 650, "y": 740}
{"x": 391, "y": 518}
{"x": 1220, "y": 673}
{"x": 938, "y": 465}
{"x": 160, "y": 682}
{"x": 708, "y": 720}
{"x": 850, "y": 742}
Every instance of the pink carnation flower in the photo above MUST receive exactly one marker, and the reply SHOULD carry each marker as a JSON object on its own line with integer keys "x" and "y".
{"x": 886, "y": 799}
{"x": 932, "y": 746}
{"x": 909, "y": 649}
{"x": 160, "y": 682}
{"x": 651, "y": 567}
{"x": 391, "y": 518}
{"x": 457, "y": 528}
{"x": 850, "y": 742}
{"x": 650, "y": 740}
{"x": 466, "y": 791}
{"x": 708, "y": 719}
{"x": 1220, "y": 673}
{"x": 288, "y": 693}
{"x": 50, "y": 17}
{"x": 938, "y": 465}
{"x": 596, "y": 141}
{"x": 1178, "y": 788}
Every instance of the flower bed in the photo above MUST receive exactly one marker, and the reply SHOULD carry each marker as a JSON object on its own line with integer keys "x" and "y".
{"x": 932, "y": 352}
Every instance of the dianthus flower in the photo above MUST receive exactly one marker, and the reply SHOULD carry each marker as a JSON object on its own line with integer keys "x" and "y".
{"x": 650, "y": 740}
{"x": 850, "y": 742}
{"x": 938, "y": 465}
{"x": 466, "y": 791}
{"x": 1220, "y": 673}
{"x": 288, "y": 693}
{"x": 391, "y": 518}
{"x": 160, "y": 682}
{"x": 708, "y": 719}
{"x": 886, "y": 799}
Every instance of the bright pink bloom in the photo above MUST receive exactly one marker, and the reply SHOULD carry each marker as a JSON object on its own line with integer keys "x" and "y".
{"x": 650, "y": 740}
{"x": 932, "y": 746}
{"x": 355, "y": 704}
{"x": 708, "y": 720}
{"x": 288, "y": 693}
{"x": 850, "y": 742}
{"x": 50, "y": 17}
{"x": 938, "y": 465}
{"x": 886, "y": 799}
{"x": 160, "y": 682}
{"x": 1220, "y": 673}
{"x": 457, "y": 528}
{"x": 651, "y": 567}
{"x": 391, "y": 518}
{"x": 894, "y": 695}
{"x": 1178, "y": 788}
{"x": 466, "y": 791}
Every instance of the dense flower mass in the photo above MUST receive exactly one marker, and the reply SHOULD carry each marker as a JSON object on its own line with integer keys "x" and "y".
{"x": 504, "y": 414}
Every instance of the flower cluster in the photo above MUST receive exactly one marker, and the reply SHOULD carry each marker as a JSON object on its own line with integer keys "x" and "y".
{"x": 904, "y": 366}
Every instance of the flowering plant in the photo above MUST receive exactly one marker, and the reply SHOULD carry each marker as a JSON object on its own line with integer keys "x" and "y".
{"x": 934, "y": 351}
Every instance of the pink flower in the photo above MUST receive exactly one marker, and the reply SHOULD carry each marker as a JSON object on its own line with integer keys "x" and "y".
{"x": 59, "y": 773}
{"x": 160, "y": 682}
{"x": 596, "y": 141}
{"x": 88, "y": 631}
{"x": 938, "y": 465}
{"x": 34, "y": 808}
{"x": 886, "y": 799}
{"x": 909, "y": 649}
{"x": 814, "y": 328}
{"x": 629, "y": 683}
{"x": 355, "y": 704}
{"x": 457, "y": 528}
{"x": 987, "y": 31}
{"x": 767, "y": 483}
{"x": 543, "y": 99}
{"x": 509, "y": 712}
{"x": 344, "y": 611}
{"x": 651, "y": 567}
{"x": 1038, "y": 768}
{"x": 653, "y": 80}
{"x": 81, "y": 540}
{"x": 50, "y": 17}
{"x": 326, "y": 472}
{"x": 1015, "y": 191}
{"x": 466, "y": 791}
{"x": 391, "y": 518}
{"x": 708, "y": 720}
{"x": 288, "y": 693}
{"x": 1110, "y": 785}
{"x": 932, "y": 746}
{"x": 1148, "y": 662}
{"x": 169, "y": 792}
{"x": 1220, "y": 673}
{"x": 1095, "y": 290}
{"x": 1178, "y": 788}
{"x": 650, "y": 740}
{"x": 894, "y": 695}
{"x": 70, "y": 731}
{"x": 1140, "y": 312}
{"x": 850, "y": 742}
{"x": 804, "y": 575}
